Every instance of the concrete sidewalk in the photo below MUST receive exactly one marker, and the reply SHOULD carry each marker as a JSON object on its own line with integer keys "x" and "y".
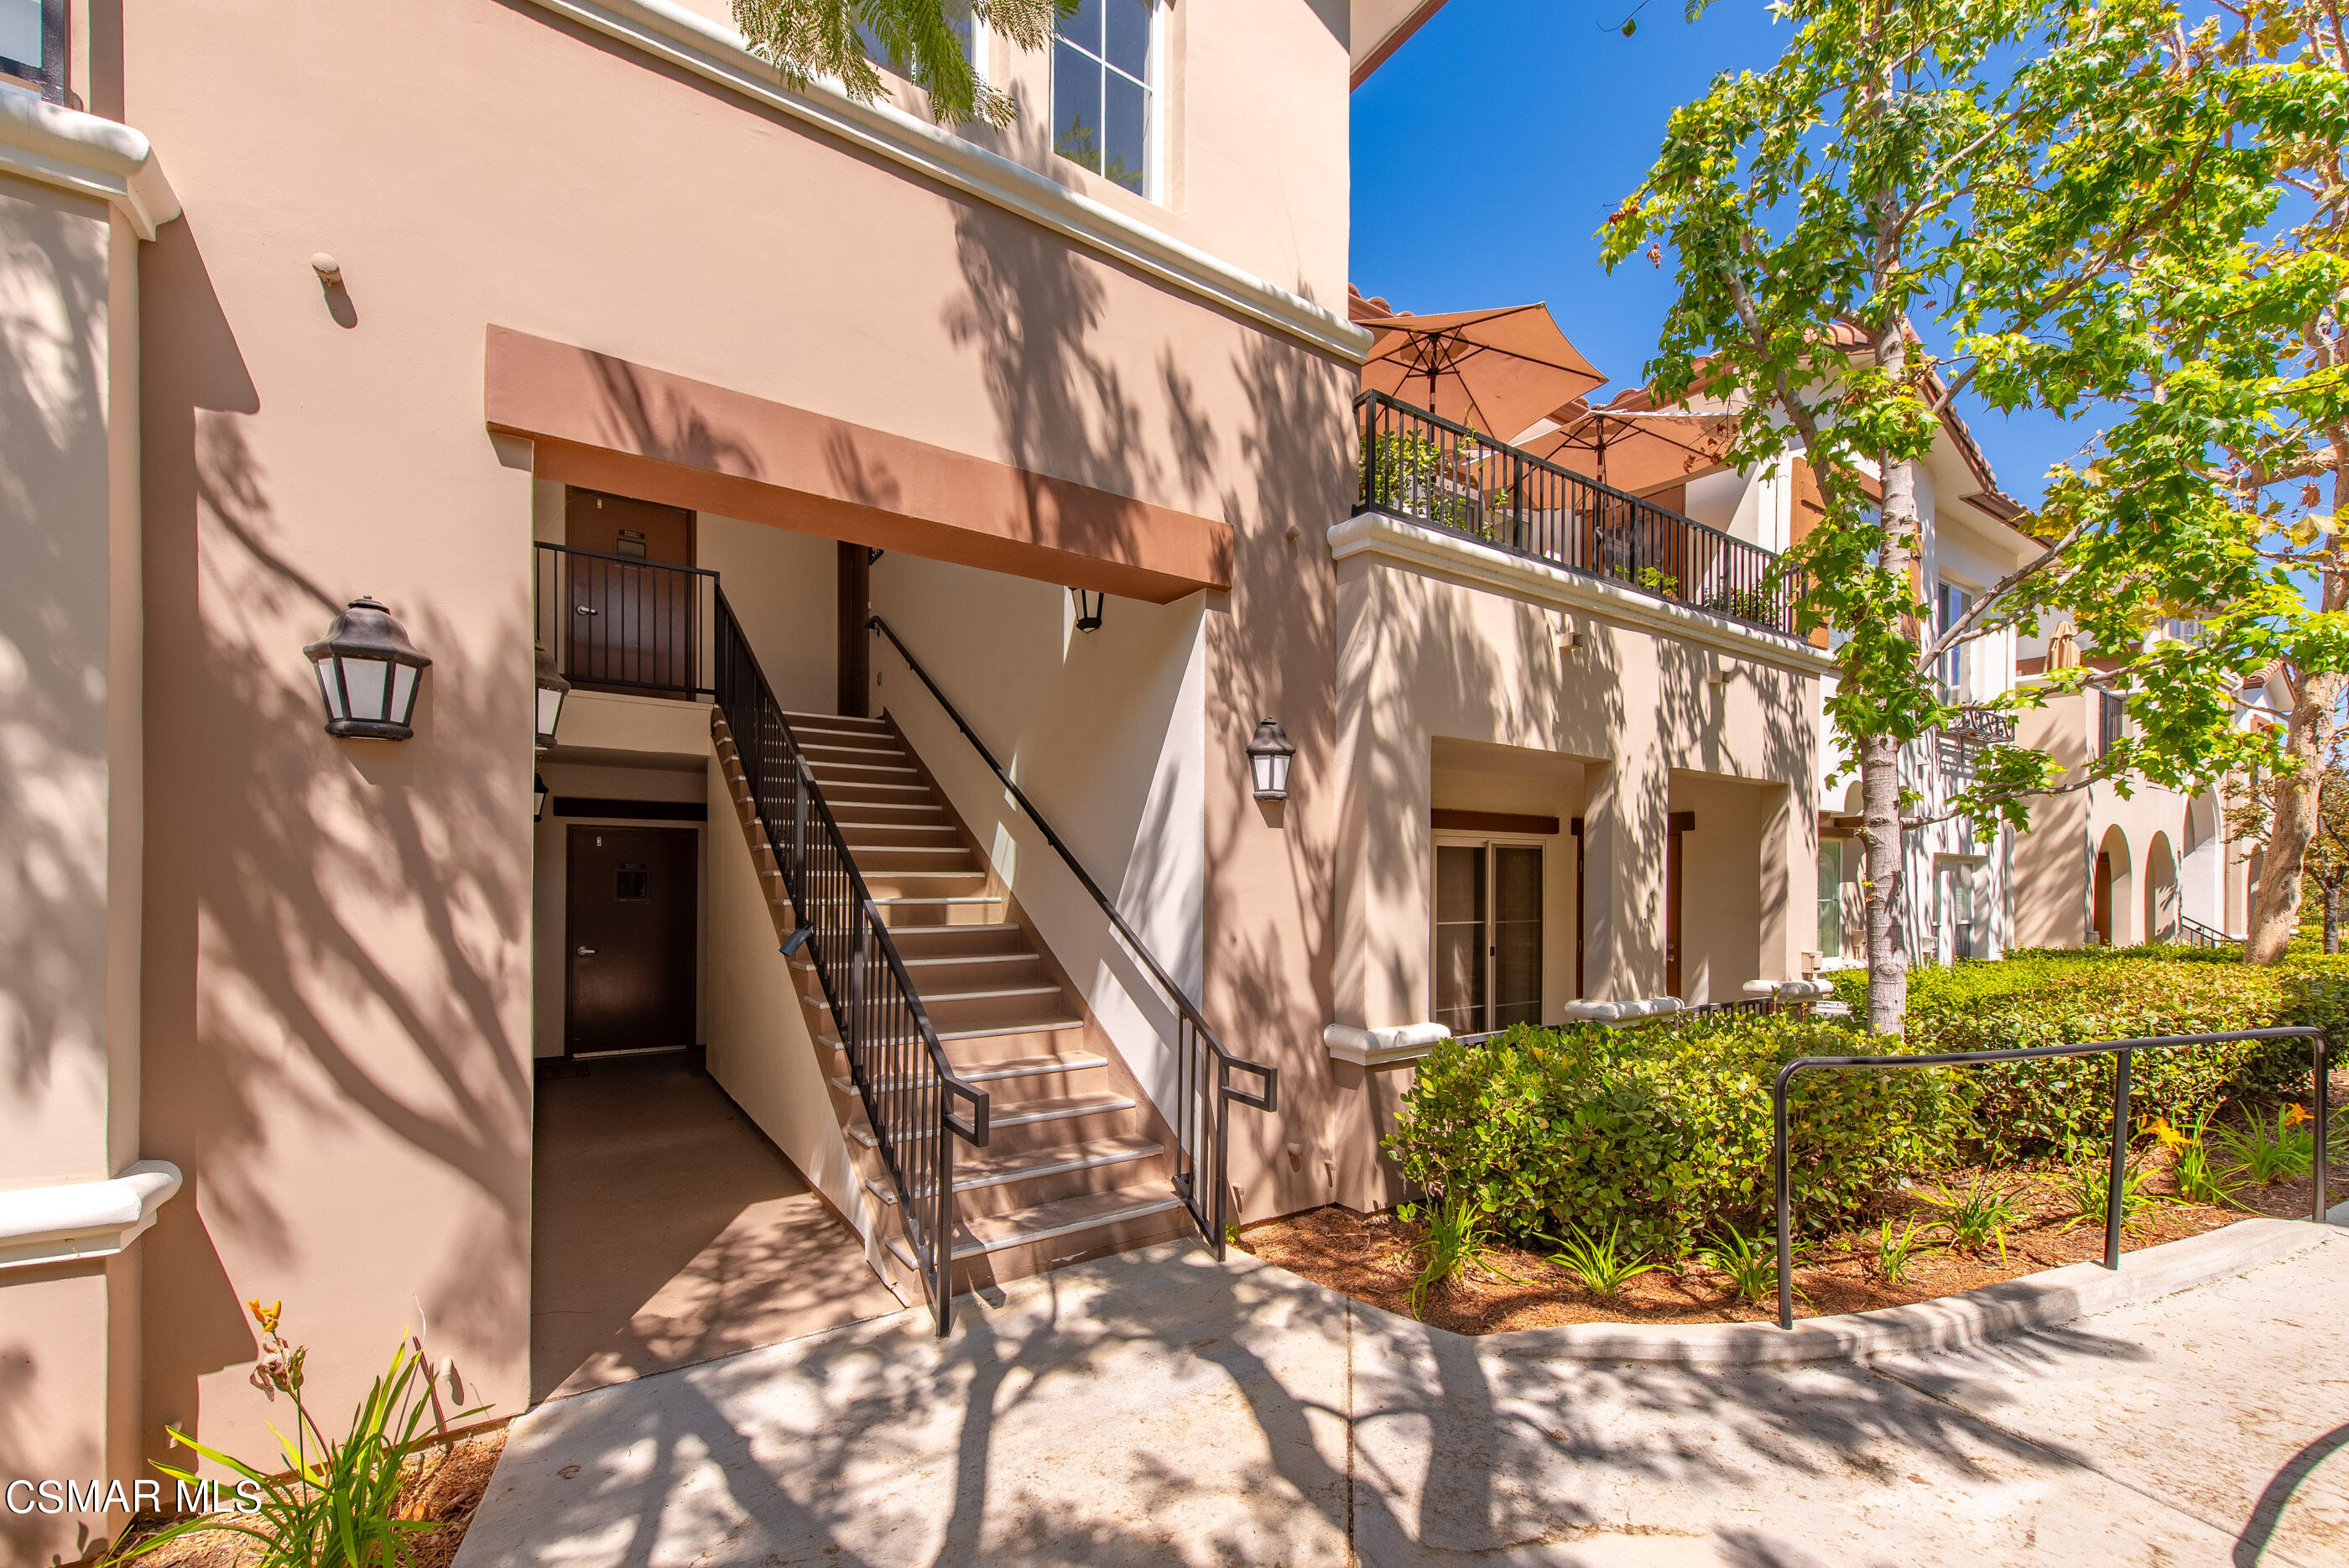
{"x": 1159, "y": 1408}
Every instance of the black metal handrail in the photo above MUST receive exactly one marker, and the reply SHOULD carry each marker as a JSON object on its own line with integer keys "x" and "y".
{"x": 1416, "y": 464}
{"x": 2193, "y": 933}
{"x": 2115, "y": 1183}
{"x": 910, "y": 1089}
{"x": 620, "y": 624}
{"x": 1201, "y": 1109}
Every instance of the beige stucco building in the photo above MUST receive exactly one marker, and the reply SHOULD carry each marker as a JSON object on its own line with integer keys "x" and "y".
{"x": 565, "y": 325}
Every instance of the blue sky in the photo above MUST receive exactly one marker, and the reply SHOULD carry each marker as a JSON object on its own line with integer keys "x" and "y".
{"x": 1489, "y": 149}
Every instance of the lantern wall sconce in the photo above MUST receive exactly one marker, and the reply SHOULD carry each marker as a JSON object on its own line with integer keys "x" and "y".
{"x": 1269, "y": 755}
{"x": 537, "y": 798}
{"x": 368, "y": 673}
{"x": 1088, "y": 609}
{"x": 551, "y": 690}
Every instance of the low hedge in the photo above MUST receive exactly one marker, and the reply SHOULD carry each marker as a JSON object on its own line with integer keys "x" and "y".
{"x": 1665, "y": 1132}
{"x": 2039, "y": 997}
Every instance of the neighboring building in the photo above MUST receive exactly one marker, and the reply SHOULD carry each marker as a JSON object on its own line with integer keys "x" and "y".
{"x": 563, "y": 324}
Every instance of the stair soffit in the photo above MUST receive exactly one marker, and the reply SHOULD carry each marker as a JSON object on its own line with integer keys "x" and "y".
{"x": 607, "y": 423}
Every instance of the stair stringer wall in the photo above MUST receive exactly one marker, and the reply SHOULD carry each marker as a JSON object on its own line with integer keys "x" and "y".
{"x": 762, "y": 1041}
{"x": 1127, "y": 1017}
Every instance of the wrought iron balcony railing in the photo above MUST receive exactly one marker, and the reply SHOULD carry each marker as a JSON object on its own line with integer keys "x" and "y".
{"x": 1417, "y": 465}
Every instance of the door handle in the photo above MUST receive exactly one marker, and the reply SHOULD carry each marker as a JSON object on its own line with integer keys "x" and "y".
{"x": 582, "y": 609}
{"x": 586, "y": 952}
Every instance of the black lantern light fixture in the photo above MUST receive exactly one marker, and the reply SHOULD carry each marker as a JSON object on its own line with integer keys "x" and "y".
{"x": 1088, "y": 609}
{"x": 368, "y": 673}
{"x": 551, "y": 690}
{"x": 537, "y": 798}
{"x": 1269, "y": 755}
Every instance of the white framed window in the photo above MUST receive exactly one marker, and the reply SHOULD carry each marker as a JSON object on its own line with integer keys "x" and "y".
{"x": 1956, "y": 664}
{"x": 1831, "y": 859}
{"x": 1957, "y": 907}
{"x": 968, "y": 29}
{"x": 1105, "y": 90}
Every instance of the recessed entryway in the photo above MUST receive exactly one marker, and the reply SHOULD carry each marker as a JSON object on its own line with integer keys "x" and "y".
{"x": 631, "y": 905}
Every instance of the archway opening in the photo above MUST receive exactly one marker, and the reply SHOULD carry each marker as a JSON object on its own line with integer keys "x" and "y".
{"x": 2161, "y": 891}
{"x": 2115, "y": 908}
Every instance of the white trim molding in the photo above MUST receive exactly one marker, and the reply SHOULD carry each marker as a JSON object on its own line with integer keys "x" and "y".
{"x": 83, "y": 1218}
{"x": 1439, "y": 552}
{"x": 1618, "y": 1015}
{"x": 91, "y": 157}
{"x": 1382, "y": 1047}
{"x": 667, "y": 31}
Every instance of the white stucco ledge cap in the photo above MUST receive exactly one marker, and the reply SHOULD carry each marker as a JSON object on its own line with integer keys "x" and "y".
{"x": 83, "y": 1218}
{"x": 1636, "y": 1010}
{"x": 1790, "y": 987}
{"x": 81, "y": 152}
{"x": 1441, "y": 553}
{"x": 1382, "y": 1047}
{"x": 670, "y": 32}
{"x": 1953, "y": 1323}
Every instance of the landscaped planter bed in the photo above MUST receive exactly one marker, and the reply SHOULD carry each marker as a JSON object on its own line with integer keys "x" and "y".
{"x": 1374, "y": 1258}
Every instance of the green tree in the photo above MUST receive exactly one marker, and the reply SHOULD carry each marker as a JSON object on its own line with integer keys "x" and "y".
{"x": 922, "y": 39}
{"x": 2291, "y": 470}
{"x": 2037, "y": 180}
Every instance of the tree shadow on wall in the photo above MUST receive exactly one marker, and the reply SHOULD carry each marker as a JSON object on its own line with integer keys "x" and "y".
{"x": 335, "y": 981}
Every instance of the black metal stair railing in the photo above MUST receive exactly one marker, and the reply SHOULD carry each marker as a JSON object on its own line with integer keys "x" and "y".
{"x": 1204, "y": 1094}
{"x": 910, "y": 1091}
{"x": 615, "y": 623}
{"x": 1417, "y": 465}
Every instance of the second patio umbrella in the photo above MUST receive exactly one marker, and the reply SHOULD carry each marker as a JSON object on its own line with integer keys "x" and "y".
{"x": 1635, "y": 448}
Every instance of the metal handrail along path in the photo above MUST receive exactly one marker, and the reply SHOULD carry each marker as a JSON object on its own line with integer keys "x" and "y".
{"x": 909, "y": 1090}
{"x": 1417, "y": 465}
{"x": 1202, "y": 1114}
{"x": 2123, "y": 1049}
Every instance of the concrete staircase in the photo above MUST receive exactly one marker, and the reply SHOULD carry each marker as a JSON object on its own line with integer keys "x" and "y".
{"x": 1078, "y": 1163}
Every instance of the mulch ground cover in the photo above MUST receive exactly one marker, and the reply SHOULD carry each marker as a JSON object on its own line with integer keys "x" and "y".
{"x": 1374, "y": 1258}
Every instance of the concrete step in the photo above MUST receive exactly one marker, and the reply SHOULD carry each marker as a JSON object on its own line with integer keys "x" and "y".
{"x": 1040, "y": 1027}
{"x": 978, "y": 1169}
{"x": 1064, "y": 1218}
{"x": 972, "y": 938}
{"x": 830, "y": 773}
{"x": 831, "y": 747}
{"x": 872, "y": 855}
{"x": 838, "y": 722}
{"x": 992, "y": 1072}
{"x": 1034, "y": 1113}
{"x": 946, "y": 973}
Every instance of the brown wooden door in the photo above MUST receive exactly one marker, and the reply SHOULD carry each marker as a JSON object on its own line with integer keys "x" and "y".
{"x": 628, "y": 933}
{"x": 629, "y": 626}
{"x": 2104, "y": 898}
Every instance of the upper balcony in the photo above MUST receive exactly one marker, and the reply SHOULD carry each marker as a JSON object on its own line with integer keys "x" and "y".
{"x": 1417, "y": 465}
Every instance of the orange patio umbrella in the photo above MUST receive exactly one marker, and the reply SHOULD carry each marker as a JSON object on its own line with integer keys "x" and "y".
{"x": 1499, "y": 370}
{"x": 1634, "y": 447}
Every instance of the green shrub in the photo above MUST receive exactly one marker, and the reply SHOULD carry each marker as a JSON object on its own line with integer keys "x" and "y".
{"x": 1665, "y": 1133}
{"x": 2038, "y": 997}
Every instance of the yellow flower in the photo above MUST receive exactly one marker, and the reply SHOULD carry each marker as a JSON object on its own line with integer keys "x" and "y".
{"x": 2294, "y": 1115}
{"x": 2170, "y": 1135}
{"x": 266, "y": 1317}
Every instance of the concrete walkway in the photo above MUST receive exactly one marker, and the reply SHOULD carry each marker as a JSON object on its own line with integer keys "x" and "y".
{"x": 1161, "y": 1409}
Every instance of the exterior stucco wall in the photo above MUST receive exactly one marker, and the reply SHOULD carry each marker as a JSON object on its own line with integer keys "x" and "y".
{"x": 339, "y": 984}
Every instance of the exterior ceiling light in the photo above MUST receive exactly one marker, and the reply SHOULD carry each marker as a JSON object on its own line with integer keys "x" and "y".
{"x": 1088, "y": 609}
{"x": 551, "y": 690}
{"x": 368, "y": 673}
{"x": 1269, "y": 755}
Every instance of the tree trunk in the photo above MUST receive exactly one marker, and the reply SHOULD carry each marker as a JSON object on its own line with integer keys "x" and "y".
{"x": 2309, "y": 737}
{"x": 1888, "y": 957}
{"x": 2333, "y": 920}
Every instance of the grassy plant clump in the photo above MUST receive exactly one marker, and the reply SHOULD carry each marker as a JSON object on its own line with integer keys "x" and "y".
{"x": 2192, "y": 1167}
{"x": 2273, "y": 1148}
{"x": 1978, "y": 1216}
{"x": 1601, "y": 1262}
{"x": 1456, "y": 1240}
{"x": 2085, "y": 1183}
{"x": 1751, "y": 1262}
{"x": 324, "y": 1503}
{"x": 1896, "y": 1249}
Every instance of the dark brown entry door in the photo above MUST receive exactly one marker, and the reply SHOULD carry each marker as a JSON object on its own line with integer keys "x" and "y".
{"x": 629, "y": 626}
{"x": 2103, "y": 897}
{"x": 629, "y": 935}
{"x": 1677, "y": 823}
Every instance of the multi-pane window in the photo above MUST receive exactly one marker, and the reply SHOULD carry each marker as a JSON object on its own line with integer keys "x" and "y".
{"x": 33, "y": 46}
{"x": 1955, "y": 664}
{"x": 1488, "y": 936}
{"x": 1831, "y": 851}
{"x": 2112, "y": 721}
{"x": 1104, "y": 104}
